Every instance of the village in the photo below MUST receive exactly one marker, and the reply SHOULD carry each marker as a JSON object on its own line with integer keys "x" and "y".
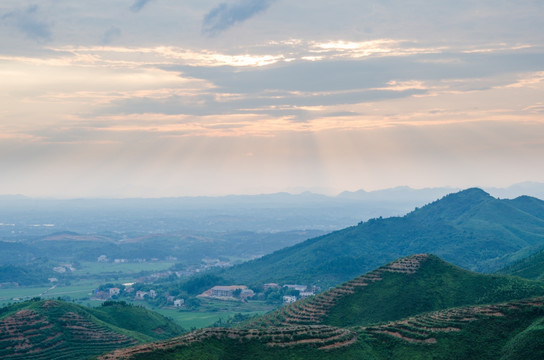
{"x": 148, "y": 290}
{"x": 288, "y": 293}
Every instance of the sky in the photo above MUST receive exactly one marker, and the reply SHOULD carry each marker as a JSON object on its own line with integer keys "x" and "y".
{"x": 159, "y": 98}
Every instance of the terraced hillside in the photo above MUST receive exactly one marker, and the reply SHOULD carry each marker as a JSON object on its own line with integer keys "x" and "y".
{"x": 424, "y": 329}
{"x": 58, "y": 330}
{"x": 352, "y": 321}
{"x": 316, "y": 336}
{"x": 506, "y": 331}
{"x": 408, "y": 286}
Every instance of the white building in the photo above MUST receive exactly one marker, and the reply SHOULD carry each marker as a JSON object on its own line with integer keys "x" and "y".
{"x": 226, "y": 291}
{"x": 287, "y": 299}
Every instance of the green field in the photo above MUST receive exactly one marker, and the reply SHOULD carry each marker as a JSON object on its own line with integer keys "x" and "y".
{"x": 91, "y": 275}
{"x": 189, "y": 320}
{"x": 78, "y": 290}
{"x": 6, "y": 295}
{"x": 96, "y": 268}
{"x": 86, "y": 278}
{"x": 212, "y": 310}
{"x": 197, "y": 320}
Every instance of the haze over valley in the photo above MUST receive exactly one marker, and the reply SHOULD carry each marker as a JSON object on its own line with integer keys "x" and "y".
{"x": 265, "y": 179}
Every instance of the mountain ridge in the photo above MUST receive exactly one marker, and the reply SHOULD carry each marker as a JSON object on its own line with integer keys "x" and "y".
{"x": 470, "y": 228}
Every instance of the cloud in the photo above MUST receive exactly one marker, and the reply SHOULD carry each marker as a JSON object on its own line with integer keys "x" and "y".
{"x": 138, "y": 5}
{"x": 28, "y": 22}
{"x": 224, "y": 15}
{"x": 110, "y": 35}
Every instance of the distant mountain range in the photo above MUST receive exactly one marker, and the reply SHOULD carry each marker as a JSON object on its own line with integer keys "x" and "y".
{"x": 385, "y": 314}
{"x": 20, "y": 215}
{"x": 469, "y": 228}
{"x": 528, "y": 188}
{"x": 263, "y": 213}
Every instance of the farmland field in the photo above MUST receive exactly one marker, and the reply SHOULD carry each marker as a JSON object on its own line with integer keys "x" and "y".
{"x": 211, "y": 311}
{"x": 96, "y": 268}
{"x": 76, "y": 291}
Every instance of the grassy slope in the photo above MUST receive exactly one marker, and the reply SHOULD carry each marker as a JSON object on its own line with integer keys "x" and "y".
{"x": 470, "y": 229}
{"x": 436, "y": 285}
{"x": 406, "y": 287}
{"x": 399, "y": 290}
{"x": 138, "y": 319}
{"x": 505, "y": 331}
{"x": 54, "y": 329}
{"x": 527, "y": 344}
{"x": 531, "y": 267}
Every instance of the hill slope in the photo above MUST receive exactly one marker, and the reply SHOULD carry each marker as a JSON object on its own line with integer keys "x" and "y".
{"x": 58, "y": 330}
{"x": 505, "y": 331}
{"x": 531, "y": 267}
{"x": 406, "y": 287}
{"x": 470, "y": 229}
{"x": 350, "y": 321}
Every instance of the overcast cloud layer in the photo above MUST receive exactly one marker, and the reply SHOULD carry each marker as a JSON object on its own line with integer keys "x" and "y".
{"x": 166, "y": 98}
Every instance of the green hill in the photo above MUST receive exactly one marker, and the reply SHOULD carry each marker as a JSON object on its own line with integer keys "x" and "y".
{"x": 531, "y": 267}
{"x": 46, "y": 329}
{"x": 136, "y": 318}
{"x": 406, "y": 287}
{"x": 470, "y": 229}
{"x": 384, "y": 314}
{"x": 504, "y": 331}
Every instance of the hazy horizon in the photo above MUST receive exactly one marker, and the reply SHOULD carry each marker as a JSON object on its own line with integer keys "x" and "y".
{"x": 529, "y": 188}
{"x": 159, "y": 98}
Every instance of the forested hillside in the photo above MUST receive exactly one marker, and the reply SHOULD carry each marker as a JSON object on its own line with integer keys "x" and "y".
{"x": 470, "y": 229}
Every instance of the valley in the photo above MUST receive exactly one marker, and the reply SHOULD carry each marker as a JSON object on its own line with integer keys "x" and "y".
{"x": 271, "y": 180}
{"x": 431, "y": 278}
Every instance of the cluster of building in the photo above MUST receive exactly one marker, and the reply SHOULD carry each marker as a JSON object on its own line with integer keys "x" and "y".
{"x": 241, "y": 292}
{"x": 138, "y": 295}
{"x": 106, "y": 294}
{"x": 303, "y": 291}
